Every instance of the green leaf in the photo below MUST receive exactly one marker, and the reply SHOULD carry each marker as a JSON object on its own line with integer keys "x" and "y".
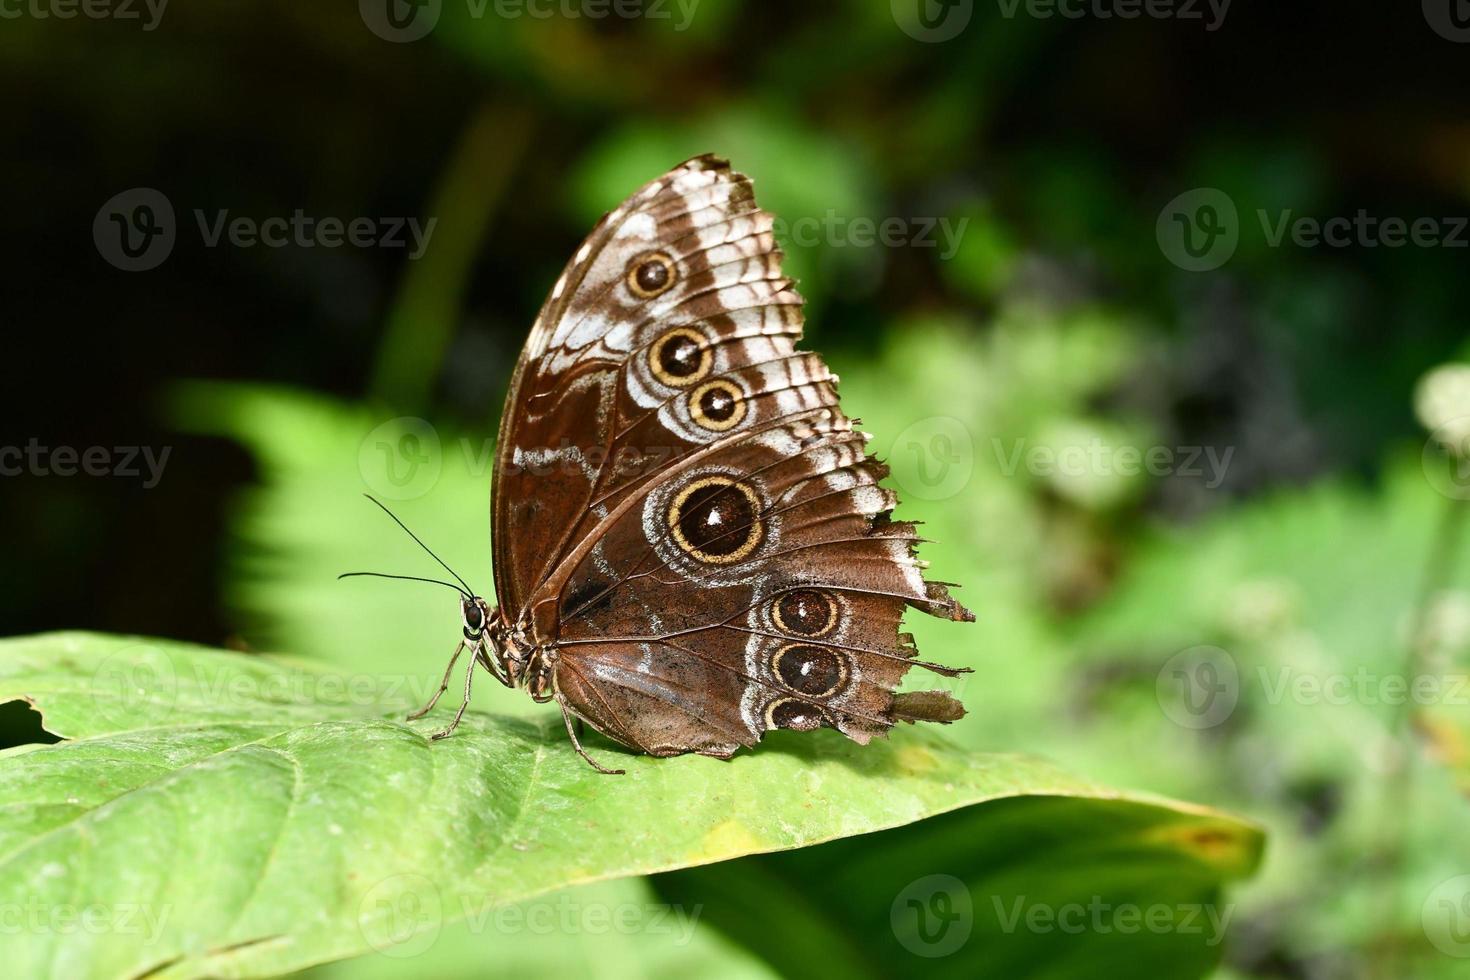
{"x": 1042, "y": 886}
{"x": 223, "y": 814}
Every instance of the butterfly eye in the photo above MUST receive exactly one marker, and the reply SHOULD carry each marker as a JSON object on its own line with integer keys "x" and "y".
{"x": 679, "y": 357}
{"x": 651, "y": 274}
{"x": 804, "y": 612}
{"x": 717, "y": 520}
{"x": 474, "y": 618}
{"x": 717, "y": 405}
{"x": 817, "y": 672}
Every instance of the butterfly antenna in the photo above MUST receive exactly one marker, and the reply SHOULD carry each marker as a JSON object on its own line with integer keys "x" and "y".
{"x": 451, "y": 571}
{"x": 407, "y": 578}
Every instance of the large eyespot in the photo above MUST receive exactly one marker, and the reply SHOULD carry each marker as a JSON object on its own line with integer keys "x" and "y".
{"x": 817, "y": 672}
{"x": 680, "y": 357}
{"x": 793, "y": 714}
{"x": 717, "y": 405}
{"x": 651, "y": 274}
{"x": 804, "y": 612}
{"x": 717, "y": 520}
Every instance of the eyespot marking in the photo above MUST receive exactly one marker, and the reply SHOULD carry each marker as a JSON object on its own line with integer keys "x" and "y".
{"x": 817, "y": 672}
{"x": 717, "y": 405}
{"x": 717, "y": 520}
{"x": 793, "y": 714}
{"x": 804, "y": 612}
{"x": 651, "y": 274}
{"x": 680, "y": 357}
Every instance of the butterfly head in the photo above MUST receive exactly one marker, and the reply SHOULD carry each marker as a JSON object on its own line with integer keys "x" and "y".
{"x": 476, "y": 614}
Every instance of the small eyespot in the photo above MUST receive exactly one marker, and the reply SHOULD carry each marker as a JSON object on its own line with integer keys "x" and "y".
{"x": 804, "y": 612}
{"x": 717, "y": 520}
{"x": 793, "y": 714}
{"x": 680, "y": 357}
{"x": 817, "y": 672}
{"x": 717, "y": 405}
{"x": 651, "y": 274}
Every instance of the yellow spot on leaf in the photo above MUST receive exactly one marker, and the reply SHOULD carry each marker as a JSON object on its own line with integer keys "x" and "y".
{"x": 729, "y": 838}
{"x": 916, "y": 758}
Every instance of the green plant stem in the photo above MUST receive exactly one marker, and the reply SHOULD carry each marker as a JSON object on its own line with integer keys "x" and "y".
{"x": 1398, "y": 781}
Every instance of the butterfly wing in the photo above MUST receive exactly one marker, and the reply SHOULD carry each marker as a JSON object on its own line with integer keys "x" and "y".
{"x": 678, "y": 285}
{"x": 682, "y": 511}
{"x": 760, "y": 584}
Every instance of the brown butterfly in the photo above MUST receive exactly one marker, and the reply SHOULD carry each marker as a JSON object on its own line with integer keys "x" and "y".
{"x": 690, "y": 545}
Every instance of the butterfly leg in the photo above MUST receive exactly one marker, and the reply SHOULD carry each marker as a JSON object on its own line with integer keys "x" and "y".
{"x": 567, "y": 717}
{"x": 443, "y": 685}
{"x": 469, "y": 679}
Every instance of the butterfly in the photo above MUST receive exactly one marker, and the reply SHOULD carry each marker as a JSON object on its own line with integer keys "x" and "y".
{"x": 690, "y": 544}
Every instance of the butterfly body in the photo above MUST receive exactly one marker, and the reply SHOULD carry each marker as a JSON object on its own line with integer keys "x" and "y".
{"x": 691, "y": 546}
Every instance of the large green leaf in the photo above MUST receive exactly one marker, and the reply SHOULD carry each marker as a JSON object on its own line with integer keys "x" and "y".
{"x": 223, "y": 814}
